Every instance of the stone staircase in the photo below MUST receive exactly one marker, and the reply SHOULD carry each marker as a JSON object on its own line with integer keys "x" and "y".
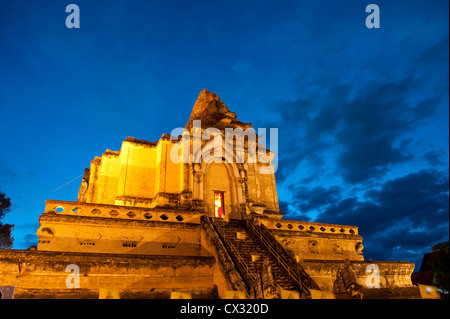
{"x": 249, "y": 253}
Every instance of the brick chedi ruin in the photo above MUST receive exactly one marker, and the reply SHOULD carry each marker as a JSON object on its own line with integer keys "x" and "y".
{"x": 146, "y": 226}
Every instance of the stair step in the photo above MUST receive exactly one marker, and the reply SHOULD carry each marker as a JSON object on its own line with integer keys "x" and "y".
{"x": 252, "y": 246}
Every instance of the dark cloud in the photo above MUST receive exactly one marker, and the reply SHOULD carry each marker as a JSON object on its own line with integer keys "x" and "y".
{"x": 363, "y": 115}
{"x": 29, "y": 240}
{"x": 308, "y": 199}
{"x": 402, "y": 237}
{"x": 365, "y": 135}
{"x": 434, "y": 158}
{"x": 373, "y": 125}
{"x": 418, "y": 200}
{"x": 438, "y": 52}
{"x": 402, "y": 243}
{"x": 409, "y": 213}
{"x": 290, "y": 213}
{"x": 9, "y": 175}
{"x": 421, "y": 199}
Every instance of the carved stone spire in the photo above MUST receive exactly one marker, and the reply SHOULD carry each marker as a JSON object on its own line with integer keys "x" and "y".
{"x": 210, "y": 109}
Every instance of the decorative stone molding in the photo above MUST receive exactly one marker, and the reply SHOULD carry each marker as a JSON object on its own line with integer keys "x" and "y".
{"x": 300, "y": 226}
{"x": 346, "y": 282}
{"x": 393, "y": 274}
{"x": 265, "y": 286}
{"x": 258, "y": 208}
{"x": 359, "y": 247}
{"x": 124, "y": 212}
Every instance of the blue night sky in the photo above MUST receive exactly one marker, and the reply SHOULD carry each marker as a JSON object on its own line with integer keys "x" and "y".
{"x": 362, "y": 114}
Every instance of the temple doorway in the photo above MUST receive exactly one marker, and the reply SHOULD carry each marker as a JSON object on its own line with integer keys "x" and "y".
{"x": 219, "y": 204}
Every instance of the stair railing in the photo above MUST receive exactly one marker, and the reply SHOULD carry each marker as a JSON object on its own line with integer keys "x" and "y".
{"x": 248, "y": 275}
{"x": 233, "y": 275}
{"x": 278, "y": 251}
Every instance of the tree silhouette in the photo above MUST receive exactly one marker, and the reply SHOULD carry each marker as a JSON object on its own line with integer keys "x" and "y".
{"x": 6, "y": 239}
{"x": 439, "y": 261}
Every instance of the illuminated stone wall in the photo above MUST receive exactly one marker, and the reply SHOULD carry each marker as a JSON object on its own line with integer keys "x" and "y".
{"x": 134, "y": 276}
{"x": 307, "y": 240}
{"x": 393, "y": 274}
{"x": 136, "y": 173}
{"x": 142, "y": 174}
{"x": 82, "y": 227}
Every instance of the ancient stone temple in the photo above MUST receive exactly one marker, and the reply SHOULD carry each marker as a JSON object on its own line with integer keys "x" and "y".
{"x": 192, "y": 217}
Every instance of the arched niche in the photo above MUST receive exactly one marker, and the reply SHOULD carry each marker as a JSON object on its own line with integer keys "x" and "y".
{"x": 219, "y": 174}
